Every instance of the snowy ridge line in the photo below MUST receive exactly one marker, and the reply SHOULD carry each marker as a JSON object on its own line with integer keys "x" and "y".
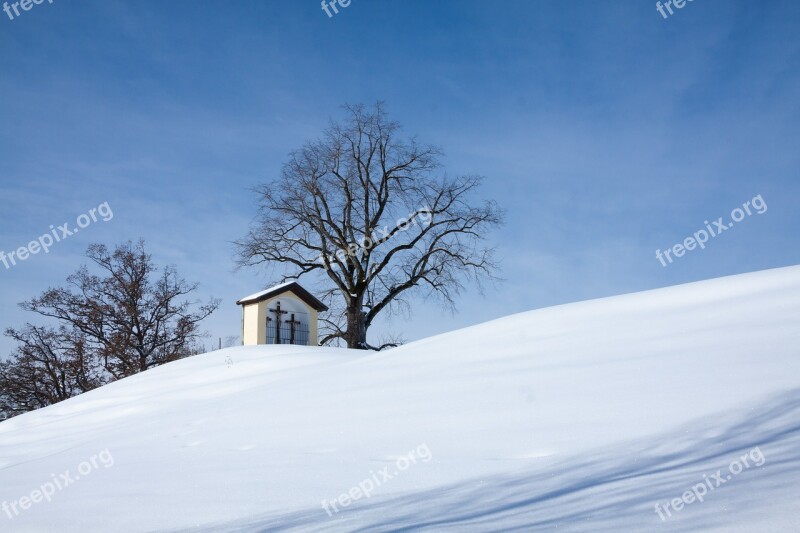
{"x": 583, "y": 414}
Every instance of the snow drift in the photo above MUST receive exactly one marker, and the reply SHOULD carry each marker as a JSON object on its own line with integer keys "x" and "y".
{"x": 580, "y": 417}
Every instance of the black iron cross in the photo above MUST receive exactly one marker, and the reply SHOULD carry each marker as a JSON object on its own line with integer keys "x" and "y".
{"x": 292, "y": 323}
{"x": 278, "y": 314}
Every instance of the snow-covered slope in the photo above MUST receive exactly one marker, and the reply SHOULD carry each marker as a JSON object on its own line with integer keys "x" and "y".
{"x": 579, "y": 417}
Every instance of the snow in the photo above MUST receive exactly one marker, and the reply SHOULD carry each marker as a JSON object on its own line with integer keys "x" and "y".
{"x": 258, "y": 295}
{"x": 579, "y": 417}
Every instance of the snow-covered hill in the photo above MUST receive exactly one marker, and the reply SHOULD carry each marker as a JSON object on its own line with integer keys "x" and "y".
{"x": 580, "y": 417}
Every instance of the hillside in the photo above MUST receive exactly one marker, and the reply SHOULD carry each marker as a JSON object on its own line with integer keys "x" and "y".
{"x": 579, "y": 417}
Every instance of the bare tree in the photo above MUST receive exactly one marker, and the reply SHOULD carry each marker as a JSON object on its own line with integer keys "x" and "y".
{"x": 368, "y": 209}
{"x": 48, "y": 366}
{"x": 134, "y": 316}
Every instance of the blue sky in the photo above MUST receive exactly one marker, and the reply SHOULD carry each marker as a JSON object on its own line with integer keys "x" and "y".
{"x": 604, "y": 130}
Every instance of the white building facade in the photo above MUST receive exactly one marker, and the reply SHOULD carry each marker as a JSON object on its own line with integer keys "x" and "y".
{"x": 284, "y": 314}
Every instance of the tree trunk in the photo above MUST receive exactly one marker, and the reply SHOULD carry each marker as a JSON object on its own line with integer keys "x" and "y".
{"x": 356, "y": 328}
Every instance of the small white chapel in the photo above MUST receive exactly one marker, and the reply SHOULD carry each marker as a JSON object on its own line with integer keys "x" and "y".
{"x": 283, "y": 314}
